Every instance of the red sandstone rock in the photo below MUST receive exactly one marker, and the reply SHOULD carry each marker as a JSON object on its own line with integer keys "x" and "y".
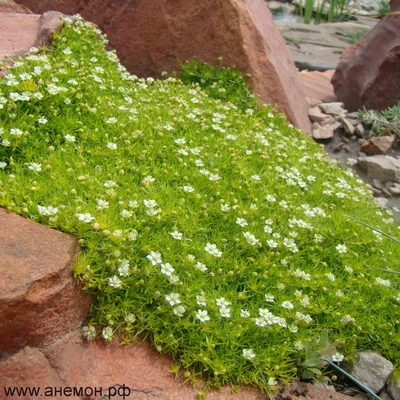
{"x": 152, "y": 36}
{"x": 28, "y": 368}
{"x": 368, "y": 73}
{"x": 39, "y": 299}
{"x": 377, "y": 145}
{"x": 8, "y": 6}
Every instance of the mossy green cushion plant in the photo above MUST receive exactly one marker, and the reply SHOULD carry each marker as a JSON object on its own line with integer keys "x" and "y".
{"x": 219, "y": 233}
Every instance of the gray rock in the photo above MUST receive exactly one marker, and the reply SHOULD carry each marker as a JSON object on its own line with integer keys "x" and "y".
{"x": 352, "y": 115}
{"x": 361, "y": 141}
{"x": 386, "y": 192}
{"x": 393, "y": 388}
{"x": 384, "y": 396}
{"x": 323, "y": 132}
{"x": 384, "y": 168}
{"x": 347, "y": 126}
{"x": 316, "y": 115}
{"x": 376, "y": 191}
{"x": 359, "y": 130}
{"x": 354, "y": 138}
{"x": 354, "y": 122}
{"x": 371, "y": 369}
{"x": 338, "y": 147}
{"x": 395, "y": 191}
{"x": 334, "y": 109}
{"x": 378, "y": 184}
{"x": 324, "y": 385}
{"x": 381, "y": 202}
{"x": 352, "y": 162}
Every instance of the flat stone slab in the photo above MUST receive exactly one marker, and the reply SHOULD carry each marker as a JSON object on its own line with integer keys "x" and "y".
{"x": 39, "y": 299}
{"x": 319, "y": 47}
{"x": 18, "y": 33}
{"x": 317, "y": 85}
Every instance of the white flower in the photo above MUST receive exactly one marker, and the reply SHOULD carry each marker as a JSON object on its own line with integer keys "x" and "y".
{"x": 271, "y": 243}
{"x": 180, "y": 141}
{"x": 176, "y": 235}
{"x": 130, "y": 318}
{"x": 383, "y": 282}
{"x": 150, "y": 203}
{"x": 173, "y": 279}
{"x": 301, "y": 274}
{"x": 199, "y": 163}
{"x": 347, "y": 319}
{"x": 35, "y": 167}
{"x": 305, "y": 301}
{"x": 348, "y": 269}
{"x": 86, "y": 217}
{"x": 110, "y": 184}
{"x": 269, "y": 298}
{"x": 201, "y": 267}
{"x": 173, "y": 299}
{"x": 244, "y": 314}
{"x": 69, "y": 138}
{"x": 126, "y": 214}
{"x": 272, "y": 381}
{"x": 42, "y": 120}
{"x": 152, "y": 212}
{"x": 256, "y": 177}
{"x": 188, "y": 189}
{"x": 331, "y": 277}
{"x": 89, "y": 332}
{"x": 225, "y": 312}
{"x": 225, "y": 207}
{"x": 2, "y": 164}
{"x": 49, "y": 210}
{"x": 270, "y": 198}
{"x": 112, "y": 146}
{"x": 293, "y": 328}
{"x": 214, "y": 177}
{"x": 115, "y": 282}
{"x": 111, "y": 120}
{"x": 248, "y": 354}
{"x": 67, "y": 51}
{"x": 148, "y": 180}
{"x": 288, "y": 305}
{"x": 298, "y": 345}
{"x": 341, "y": 248}
{"x": 221, "y": 302}
{"x": 167, "y": 269}
{"x": 123, "y": 269}
{"x": 303, "y": 317}
{"x": 5, "y": 143}
{"x": 132, "y": 235}
{"x": 190, "y": 257}
{"x": 249, "y": 152}
{"x": 337, "y": 357}
{"x": 250, "y": 239}
{"x": 242, "y": 222}
{"x": 16, "y": 132}
{"x": 102, "y": 204}
{"x": 202, "y": 315}
{"x": 154, "y": 258}
{"x": 201, "y": 301}
{"x": 212, "y": 250}
{"x": 179, "y": 311}
{"x": 107, "y": 333}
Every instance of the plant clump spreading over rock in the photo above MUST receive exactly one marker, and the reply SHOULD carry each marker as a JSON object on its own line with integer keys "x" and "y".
{"x": 219, "y": 231}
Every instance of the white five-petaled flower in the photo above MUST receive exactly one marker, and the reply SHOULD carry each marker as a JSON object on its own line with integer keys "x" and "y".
{"x": 173, "y": 299}
{"x": 341, "y": 248}
{"x": 288, "y": 305}
{"x": 126, "y": 214}
{"x": 179, "y": 311}
{"x": 244, "y": 314}
{"x": 250, "y": 239}
{"x": 69, "y": 138}
{"x": 35, "y": 167}
{"x": 202, "y": 315}
{"x": 188, "y": 189}
{"x": 383, "y": 282}
{"x": 225, "y": 207}
{"x": 201, "y": 267}
{"x": 86, "y": 217}
{"x": 115, "y": 282}
{"x": 337, "y": 357}
{"x": 107, "y": 333}
{"x": 242, "y": 222}
{"x": 42, "y": 120}
{"x": 176, "y": 235}
{"x": 150, "y": 203}
{"x": 154, "y": 257}
{"x": 269, "y": 298}
{"x": 248, "y": 354}
{"x": 167, "y": 269}
{"x": 112, "y": 146}
{"x": 212, "y": 250}
{"x": 102, "y": 204}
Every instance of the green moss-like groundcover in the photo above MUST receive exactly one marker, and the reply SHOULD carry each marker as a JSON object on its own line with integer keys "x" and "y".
{"x": 221, "y": 233}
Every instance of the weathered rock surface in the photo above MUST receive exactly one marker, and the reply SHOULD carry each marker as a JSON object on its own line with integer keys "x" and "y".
{"x": 393, "y": 388}
{"x": 371, "y": 369}
{"x": 39, "y": 299}
{"x": 317, "y": 85}
{"x": 378, "y": 145}
{"x": 384, "y": 168}
{"x": 9, "y": 6}
{"x": 20, "y": 31}
{"x": 323, "y": 132}
{"x": 334, "y": 109}
{"x": 368, "y": 73}
{"x": 152, "y": 36}
{"x": 73, "y": 362}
